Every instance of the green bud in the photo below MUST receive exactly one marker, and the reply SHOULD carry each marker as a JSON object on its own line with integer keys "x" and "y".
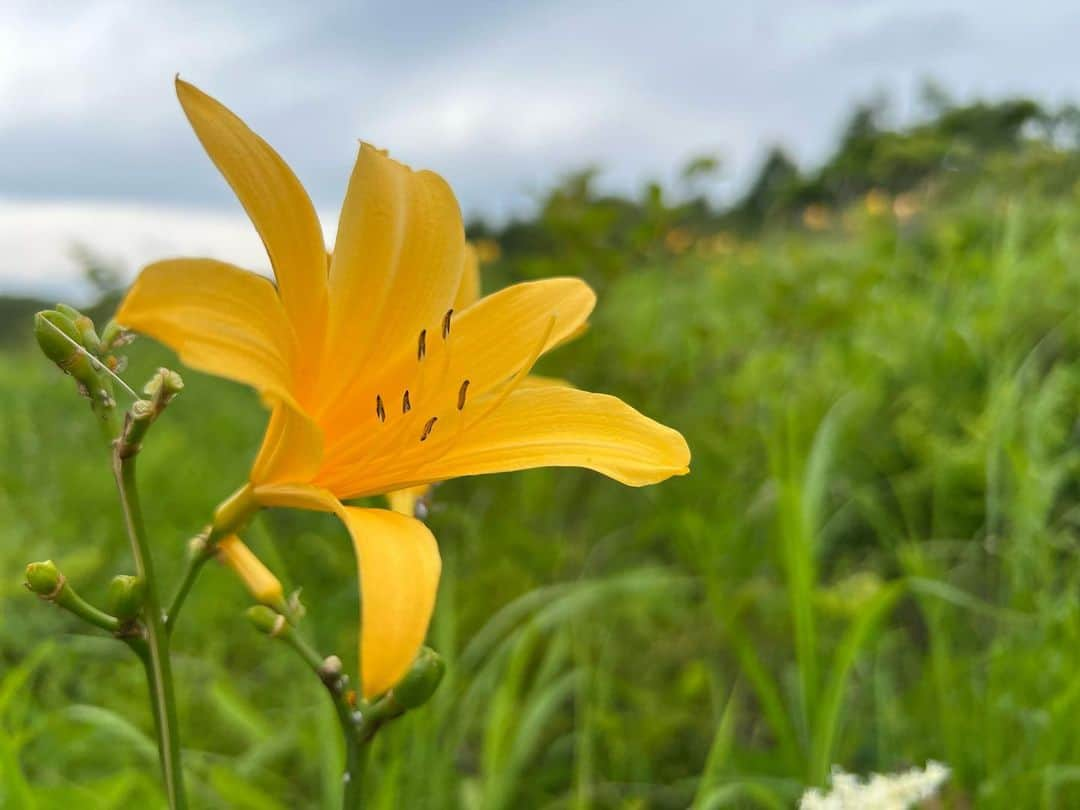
{"x": 266, "y": 620}
{"x": 88, "y": 336}
{"x": 53, "y": 343}
{"x": 421, "y": 681}
{"x": 61, "y": 342}
{"x": 44, "y": 579}
{"x": 331, "y": 670}
{"x": 125, "y": 597}
{"x": 109, "y": 335}
{"x": 69, "y": 312}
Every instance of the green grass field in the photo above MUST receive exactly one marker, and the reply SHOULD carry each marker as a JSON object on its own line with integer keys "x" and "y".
{"x": 873, "y": 562}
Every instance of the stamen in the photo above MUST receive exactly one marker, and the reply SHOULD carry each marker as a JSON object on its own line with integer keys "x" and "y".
{"x": 406, "y": 406}
{"x": 461, "y": 395}
{"x": 421, "y": 346}
{"x": 446, "y": 323}
{"x": 380, "y": 411}
{"x": 427, "y": 428}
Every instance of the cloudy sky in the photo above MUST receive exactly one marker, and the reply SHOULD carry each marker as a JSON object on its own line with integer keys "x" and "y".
{"x": 499, "y": 97}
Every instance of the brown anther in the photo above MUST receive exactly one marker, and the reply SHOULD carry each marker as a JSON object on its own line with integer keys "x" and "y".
{"x": 380, "y": 411}
{"x": 461, "y": 395}
{"x": 406, "y": 406}
{"x": 427, "y": 428}
{"x": 446, "y": 323}
{"x": 421, "y": 346}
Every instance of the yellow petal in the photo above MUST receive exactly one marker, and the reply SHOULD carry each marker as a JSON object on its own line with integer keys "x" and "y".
{"x": 540, "y": 381}
{"x": 469, "y": 289}
{"x": 554, "y": 426}
{"x": 291, "y": 450}
{"x": 404, "y": 500}
{"x": 396, "y": 265}
{"x": 257, "y": 578}
{"x": 496, "y": 337}
{"x": 399, "y": 566}
{"x": 277, "y": 204}
{"x": 399, "y": 575}
{"x": 297, "y": 496}
{"x": 216, "y": 317}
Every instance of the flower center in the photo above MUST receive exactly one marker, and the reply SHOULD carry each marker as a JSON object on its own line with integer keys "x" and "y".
{"x": 422, "y": 383}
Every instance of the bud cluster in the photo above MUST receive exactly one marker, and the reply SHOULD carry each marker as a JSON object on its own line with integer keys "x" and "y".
{"x": 125, "y": 598}
{"x": 70, "y": 340}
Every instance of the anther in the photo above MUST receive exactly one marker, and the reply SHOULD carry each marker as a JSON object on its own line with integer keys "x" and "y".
{"x": 406, "y": 406}
{"x": 461, "y": 395}
{"x": 446, "y": 323}
{"x": 421, "y": 346}
{"x": 427, "y": 428}
{"x": 380, "y": 411}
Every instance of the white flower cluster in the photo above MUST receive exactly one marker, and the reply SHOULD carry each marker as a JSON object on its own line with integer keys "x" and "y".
{"x": 898, "y": 791}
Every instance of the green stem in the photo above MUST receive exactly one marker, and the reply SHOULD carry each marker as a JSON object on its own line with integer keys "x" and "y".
{"x": 196, "y": 560}
{"x": 142, "y": 650}
{"x": 230, "y": 516}
{"x": 159, "y": 671}
{"x": 73, "y": 603}
{"x": 352, "y": 729}
{"x": 353, "y": 778}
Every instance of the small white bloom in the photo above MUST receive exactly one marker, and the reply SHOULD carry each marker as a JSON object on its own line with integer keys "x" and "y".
{"x": 898, "y": 791}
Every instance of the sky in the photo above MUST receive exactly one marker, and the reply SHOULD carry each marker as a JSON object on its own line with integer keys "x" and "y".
{"x": 501, "y": 98}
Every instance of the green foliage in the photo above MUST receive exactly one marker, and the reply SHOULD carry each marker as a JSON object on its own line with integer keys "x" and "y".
{"x": 873, "y": 563}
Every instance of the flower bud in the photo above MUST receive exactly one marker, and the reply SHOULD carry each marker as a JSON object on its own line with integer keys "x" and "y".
{"x": 331, "y": 667}
{"x": 56, "y": 335}
{"x": 44, "y": 579}
{"x": 69, "y": 312}
{"x": 259, "y": 580}
{"x": 125, "y": 596}
{"x": 61, "y": 342}
{"x": 265, "y": 620}
{"x": 88, "y": 335}
{"x": 421, "y": 681}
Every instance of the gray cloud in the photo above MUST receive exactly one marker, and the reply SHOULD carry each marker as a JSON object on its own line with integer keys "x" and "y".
{"x": 500, "y": 97}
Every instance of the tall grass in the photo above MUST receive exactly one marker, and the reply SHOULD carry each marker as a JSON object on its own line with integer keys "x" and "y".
{"x": 872, "y": 564}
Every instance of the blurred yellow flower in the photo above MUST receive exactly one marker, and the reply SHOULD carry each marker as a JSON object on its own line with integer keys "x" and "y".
{"x": 375, "y": 380}
{"x": 487, "y": 251}
{"x": 816, "y": 217}
{"x": 719, "y": 244}
{"x": 678, "y": 240}
{"x": 876, "y": 202}
{"x": 905, "y": 206}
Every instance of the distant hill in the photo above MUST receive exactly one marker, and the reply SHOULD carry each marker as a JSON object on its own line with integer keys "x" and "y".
{"x": 15, "y": 318}
{"x": 1016, "y": 144}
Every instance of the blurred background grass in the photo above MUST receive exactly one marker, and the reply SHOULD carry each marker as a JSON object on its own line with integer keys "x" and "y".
{"x": 873, "y": 562}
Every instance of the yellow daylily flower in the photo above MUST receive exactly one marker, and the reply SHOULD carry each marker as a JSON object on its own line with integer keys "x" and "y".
{"x": 376, "y": 379}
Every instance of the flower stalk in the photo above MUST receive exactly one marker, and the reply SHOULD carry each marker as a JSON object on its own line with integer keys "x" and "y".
{"x": 330, "y": 674}
{"x": 360, "y": 722}
{"x": 159, "y": 669}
